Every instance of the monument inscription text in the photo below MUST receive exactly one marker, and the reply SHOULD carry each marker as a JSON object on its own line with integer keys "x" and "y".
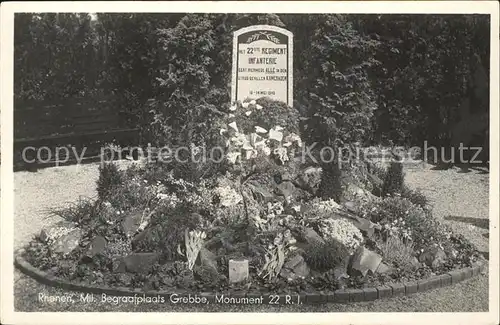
{"x": 262, "y": 64}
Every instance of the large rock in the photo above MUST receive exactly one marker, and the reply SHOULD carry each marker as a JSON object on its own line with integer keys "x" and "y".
{"x": 57, "y": 230}
{"x": 364, "y": 261}
{"x": 287, "y": 190}
{"x": 97, "y": 246}
{"x": 67, "y": 243}
{"x": 384, "y": 269}
{"x": 310, "y": 236}
{"x": 260, "y": 192}
{"x": 310, "y": 178}
{"x": 144, "y": 237}
{"x": 295, "y": 268}
{"x": 415, "y": 263}
{"x": 433, "y": 257}
{"x": 207, "y": 259}
{"x": 137, "y": 263}
{"x": 363, "y": 224}
{"x": 132, "y": 222}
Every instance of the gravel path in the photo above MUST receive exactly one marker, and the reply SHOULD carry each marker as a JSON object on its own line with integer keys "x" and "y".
{"x": 462, "y": 196}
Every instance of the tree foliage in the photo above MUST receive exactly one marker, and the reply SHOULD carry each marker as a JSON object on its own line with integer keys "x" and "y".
{"x": 369, "y": 78}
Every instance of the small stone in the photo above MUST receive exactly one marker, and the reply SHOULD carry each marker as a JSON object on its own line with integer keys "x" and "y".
{"x": 233, "y": 126}
{"x": 350, "y": 206}
{"x": 67, "y": 243}
{"x": 259, "y": 129}
{"x": 363, "y": 224}
{"x": 260, "y": 192}
{"x": 295, "y": 268}
{"x": 132, "y": 222}
{"x": 384, "y": 269}
{"x": 57, "y": 230}
{"x": 310, "y": 178}
{"x": 433, "y": 257}
{"x": 207, "y": 259}
{"x": 238, "y": 271}
{"x": 275, "y": 135}
{"x": 137, "y": 263}
{"x": 286, "y": 190}
{"x": 311, "y": 237}
{"x": 143, "y": 237}
{"x": 126, "y": 279}
{"x": 365, "y": 260}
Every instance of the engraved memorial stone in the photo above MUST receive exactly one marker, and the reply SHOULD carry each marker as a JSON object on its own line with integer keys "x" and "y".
{"x": 262, "y": 64}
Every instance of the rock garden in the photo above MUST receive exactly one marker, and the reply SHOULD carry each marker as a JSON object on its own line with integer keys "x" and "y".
{"x": 262, "y": 214}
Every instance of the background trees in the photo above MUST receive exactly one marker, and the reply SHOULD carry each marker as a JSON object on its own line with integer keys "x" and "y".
{"x": 368, "y": 78}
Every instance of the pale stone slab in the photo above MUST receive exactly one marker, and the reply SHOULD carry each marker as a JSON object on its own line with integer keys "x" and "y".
{"x": 238, "y": 271}
{"x": 262, "y": 64}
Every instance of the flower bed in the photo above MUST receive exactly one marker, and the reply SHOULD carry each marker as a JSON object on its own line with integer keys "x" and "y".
{"x": 249, "y": 223}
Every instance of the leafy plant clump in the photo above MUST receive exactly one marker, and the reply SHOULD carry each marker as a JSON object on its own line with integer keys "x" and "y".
{"x": 415, "y": 196}
{"x": 81, "y": 212}
{"x": 325, "y": 256}
{"x": 399, "y": 253}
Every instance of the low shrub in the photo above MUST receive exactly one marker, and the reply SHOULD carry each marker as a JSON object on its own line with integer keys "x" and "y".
{"x": 110, "y": 177}
{"x": 415, "y": 196}
{"x": 394, "y": 180}
{"x": 327, "y": 280}
{"x": 199, "y": 169}
{"x": 133, "y": 194}
{"x": 325, "y": 256}
{"x": 425, "y": 229}
{"x": 399, "y": 252}
{"x": 460, "y": 251}
{"x": 167, "y": 228}
{"x": 386, "y": 210}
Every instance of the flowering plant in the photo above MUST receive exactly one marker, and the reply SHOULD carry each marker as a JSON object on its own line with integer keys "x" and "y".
{"x": 276, "y": 254}
{"x": 269, "y": 220}
{"x": 398, "y": 216}
{"x": 249, "y": 136}
{"x": 341, "y": 230}
{"x": 193, "y": 241}
{"x": 320, "y": 209}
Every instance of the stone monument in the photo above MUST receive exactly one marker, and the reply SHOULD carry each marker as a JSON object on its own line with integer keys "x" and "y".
{"x": 262, "y": 64}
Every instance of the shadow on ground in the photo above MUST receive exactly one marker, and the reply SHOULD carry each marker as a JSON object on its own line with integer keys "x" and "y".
{"x": 463, "y": 168}
{"x": 478, "y": 222}
{"x": 486, "y": 255}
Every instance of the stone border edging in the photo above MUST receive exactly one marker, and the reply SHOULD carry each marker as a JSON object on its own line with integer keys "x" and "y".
{"x": 338, "y": 296}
